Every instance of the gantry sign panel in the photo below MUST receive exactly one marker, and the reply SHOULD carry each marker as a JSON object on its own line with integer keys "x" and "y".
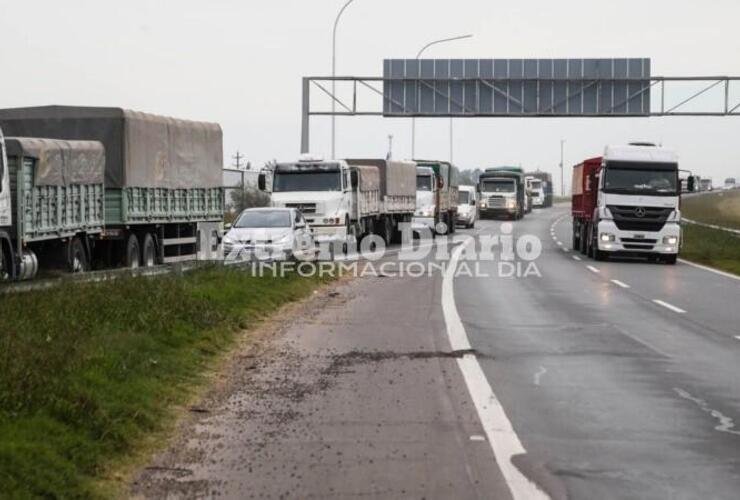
{"x": 516, "y": 87}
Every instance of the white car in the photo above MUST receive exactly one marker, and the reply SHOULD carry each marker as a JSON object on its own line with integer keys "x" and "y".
{"x": 269, "y": 234}
{"x": 467, "y": 206}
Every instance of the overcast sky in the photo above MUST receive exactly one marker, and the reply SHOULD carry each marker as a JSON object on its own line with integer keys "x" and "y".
{"x": 240, "y": 63}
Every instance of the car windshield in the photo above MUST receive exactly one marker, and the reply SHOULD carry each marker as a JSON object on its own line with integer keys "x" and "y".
{"x": 498, "y": 186}
{"x": 637, "y": 180}
{"x": 423, "y": 182}
{"x": 307, "y": 181}
{"x": 463, "y": 197}
{"x": 252, "y": 219}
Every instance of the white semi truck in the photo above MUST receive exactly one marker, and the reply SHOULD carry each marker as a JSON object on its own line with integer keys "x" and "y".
{"x": 344, "y": 200}
{"x": 628, "y": 203}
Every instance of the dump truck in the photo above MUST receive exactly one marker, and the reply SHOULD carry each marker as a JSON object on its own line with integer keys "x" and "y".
{"x": 436, "y": 196}
{"x": 502, "y": 192}
{"x": 627, "y": 202}
{"x": 87, "y": 188}
{"x": 344, "y": 200}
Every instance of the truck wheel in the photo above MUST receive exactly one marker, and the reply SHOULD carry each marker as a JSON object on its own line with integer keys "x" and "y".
{"x": 582, "y": 243}
{"x": 77, "y": 261}
{"x": 576, "y": 242}
{"x": 387, "y": 229}
{"x": 670, "y": 259}
{"x": 453, "y": 223}
{"x": 4, "y": 263}
{"x": 132, "y": 257}
{"x": 148, "y": 251}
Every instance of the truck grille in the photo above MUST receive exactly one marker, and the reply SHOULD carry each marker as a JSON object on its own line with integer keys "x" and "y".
{"x": 306, "y": 208}
{"x": 496, "y": 202}
{"x": 647, "y": 219}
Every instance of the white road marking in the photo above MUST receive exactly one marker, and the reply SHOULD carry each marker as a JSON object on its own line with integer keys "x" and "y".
{"x": 737, "y": 337}
{"x": 710, "y": 269}
{"x": 500, "y": 433}
{"x": 726, "y": 424}
{"x": 566, "y": 250}
{"x": 593, "y": 269}
{"x": 560, "y": 243}
{"x": 477, "y": 437}
{"x": 669, "y": 306}
{"x": 575, "y": 257}
{"x": 620, "y": 284}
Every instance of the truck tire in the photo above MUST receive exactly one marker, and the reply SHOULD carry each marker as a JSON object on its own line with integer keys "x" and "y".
{"x": 5, "y": 263}
{"x": 670, "y": 259}
{"x": 77, "y": 261}
{"x": 387, "y": 230}
{"x": 576, "y": 241}
{"x": 132, "y": 253}
{"x": 453, "y": 223}
{"x": 582, "y": 243}
{"x": 148, "y": 251}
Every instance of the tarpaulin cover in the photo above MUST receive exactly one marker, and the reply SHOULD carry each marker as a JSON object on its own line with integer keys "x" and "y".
{"x": 61, "y": 163}
{"x": 397, "y": 178}
{"x": 369, "y": 178}
{"x": 142, "y": 150}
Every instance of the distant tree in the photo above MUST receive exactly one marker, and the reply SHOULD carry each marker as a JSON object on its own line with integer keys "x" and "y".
{"x": 249, "y": 197}
{"x": 470, "y": 176}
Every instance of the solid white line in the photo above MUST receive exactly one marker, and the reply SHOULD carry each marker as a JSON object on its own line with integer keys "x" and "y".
{"x": 737, "y": 337}
{"x": 710, "y": 269}
{"x": 593, "y": 269}
{"x": 504, "y": 441}
{"x": 621, "y": 284}
{"x": 669, "y": 306}
{"x": 477, "y": 437}
{"x": 575, "y": 257}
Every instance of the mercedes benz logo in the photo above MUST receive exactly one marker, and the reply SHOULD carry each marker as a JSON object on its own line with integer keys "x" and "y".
{"x": 640, "y": 212}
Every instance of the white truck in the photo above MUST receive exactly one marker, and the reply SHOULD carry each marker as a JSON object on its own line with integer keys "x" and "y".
{"x": 628, "y": 203}
{"x": 436, "y": 197}
{"x": 344, "y": 200}
{"x": 536, "y": 191}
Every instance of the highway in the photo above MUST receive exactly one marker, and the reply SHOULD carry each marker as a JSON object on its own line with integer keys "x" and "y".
{"x": 592, "y": 380}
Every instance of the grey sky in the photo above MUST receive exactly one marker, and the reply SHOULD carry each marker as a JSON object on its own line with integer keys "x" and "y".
{"x": 239, "y": 63}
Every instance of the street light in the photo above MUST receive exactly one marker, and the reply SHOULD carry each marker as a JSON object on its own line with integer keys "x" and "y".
{"x": 562, "y": 178}
{"x": 333, "y": 75}
{"x": 413, "y": 119}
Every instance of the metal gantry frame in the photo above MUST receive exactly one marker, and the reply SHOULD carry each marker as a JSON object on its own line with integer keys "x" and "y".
{"x": 658, "y": 88}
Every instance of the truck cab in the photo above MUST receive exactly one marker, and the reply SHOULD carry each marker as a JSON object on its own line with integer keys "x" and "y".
{"x": 501, "y": 193}
{"x": 635, "y": 208}
{"x": 536, "y": 190}
{"x": 321, "y": 190}
{"x": 436, "y": 197}
{"x": 5, "y": 215}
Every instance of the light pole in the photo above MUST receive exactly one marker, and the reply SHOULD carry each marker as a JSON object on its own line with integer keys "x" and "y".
{"x": 562, "y": 178}
{"x": 333, "y": 75}
{"x": 413, "y": 119}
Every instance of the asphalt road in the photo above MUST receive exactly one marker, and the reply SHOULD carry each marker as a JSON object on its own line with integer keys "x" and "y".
{"x": 591, "y": 380}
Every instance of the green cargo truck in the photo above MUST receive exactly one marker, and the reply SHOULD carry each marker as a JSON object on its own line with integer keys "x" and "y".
{"x": 106, "y": 187}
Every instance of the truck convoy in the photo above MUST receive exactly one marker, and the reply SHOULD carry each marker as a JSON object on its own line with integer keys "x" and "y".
{"x": 436, "y": 197}
{"x": 628, "y": 202}
{"x": 102, "y": 187}
{"x": 344, "y": 200}
{"x": 502, "y": 192}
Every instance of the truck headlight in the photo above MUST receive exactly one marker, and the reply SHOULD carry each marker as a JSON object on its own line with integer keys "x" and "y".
{"x": 670, "y": 240}
{"x": 607, "y": 237}
{"x": 483, "y": 204}
{"x": 510, "y": 203}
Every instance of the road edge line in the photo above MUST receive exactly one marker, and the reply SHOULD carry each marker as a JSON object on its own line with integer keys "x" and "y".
{"x": 502, "y": 437}
{"x": 710, "y": 269}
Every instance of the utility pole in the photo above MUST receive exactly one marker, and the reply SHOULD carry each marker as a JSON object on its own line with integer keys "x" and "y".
{"x": 562, "y": 178}
{"x": 390, "y": 147}
{"x": 238, "y": 160}
{"x": 333, "y": 82}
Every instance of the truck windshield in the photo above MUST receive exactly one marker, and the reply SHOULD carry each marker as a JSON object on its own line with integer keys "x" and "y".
{"x": 307, "y": 181}
{"x": 463, "y": 197}
{"x": 499, "y": 186}
{"x": 263, "y": 219}
{"x": 423, "y": 182}
{"x": 535, "y": 185}
{"x": 641, "y": 179}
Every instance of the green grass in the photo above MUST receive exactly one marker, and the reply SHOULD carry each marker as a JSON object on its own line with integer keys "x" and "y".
{"x": 89, "y": 371}
{"x": 719, "y": 208}
{"x": 711, "y": 247}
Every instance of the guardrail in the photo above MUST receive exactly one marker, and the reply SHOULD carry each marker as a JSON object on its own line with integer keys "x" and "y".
{"x": 711, "y": 226}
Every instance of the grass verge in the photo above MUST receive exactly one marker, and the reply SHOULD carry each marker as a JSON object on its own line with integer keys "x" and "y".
{"x": 720, "y": 208}
{"x": 711, "y": 247}
{"x": 88, "y": 371}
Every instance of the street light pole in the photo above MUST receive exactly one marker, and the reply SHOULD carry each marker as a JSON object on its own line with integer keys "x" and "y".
{"x": 413, "y": 119}
{"x": 333, "y": 82}
{"x": 562, "y": 178}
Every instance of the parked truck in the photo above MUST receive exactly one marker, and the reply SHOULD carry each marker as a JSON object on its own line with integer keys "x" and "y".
{"x": 344, "y": 200}
{"x": 502, "y": 192}
{"x": 90, "y": 188}
{"x": 628, "y": 202}
{"x": 436, "y": 196}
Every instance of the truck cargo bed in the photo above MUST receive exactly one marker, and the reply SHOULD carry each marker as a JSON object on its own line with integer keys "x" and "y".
{"x": 161, "y": 205}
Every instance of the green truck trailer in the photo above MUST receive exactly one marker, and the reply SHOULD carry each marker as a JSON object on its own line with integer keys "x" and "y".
{"x": 90, "y": 188}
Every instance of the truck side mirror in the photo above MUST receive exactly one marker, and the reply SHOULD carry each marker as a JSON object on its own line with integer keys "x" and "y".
{"x": 354, "y": 179}
{"x": 691, "y": 184}
{"x": 440, "y": 183}
{"x": 261, "y": 182}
